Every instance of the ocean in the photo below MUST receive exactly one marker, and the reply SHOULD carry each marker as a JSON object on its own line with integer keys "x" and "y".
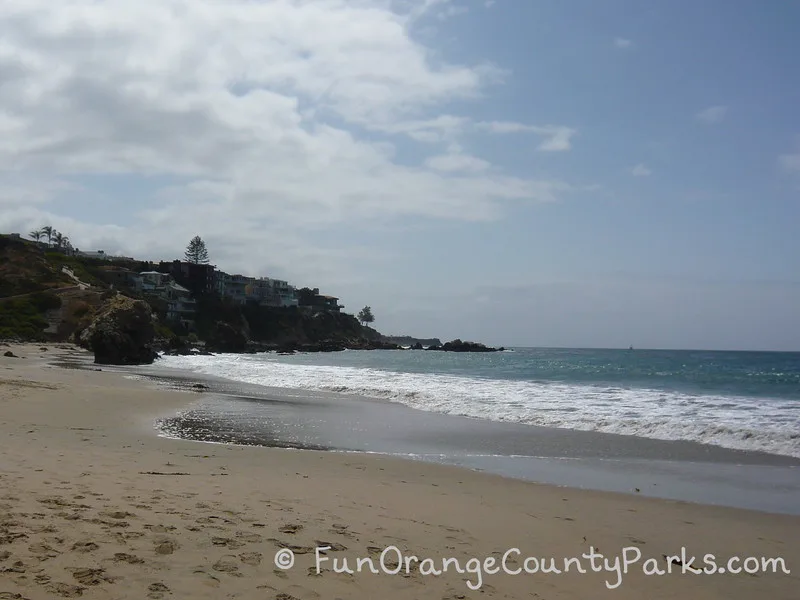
{"x": 737, "y": 400}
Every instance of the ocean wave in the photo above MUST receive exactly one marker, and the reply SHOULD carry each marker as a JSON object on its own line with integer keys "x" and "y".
{"x": 742, "y": 423}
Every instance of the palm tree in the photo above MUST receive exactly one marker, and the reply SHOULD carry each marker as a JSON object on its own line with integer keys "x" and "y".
{"x": 49, "y": 232}
{"x": 59, "y": 238}
{"x": 36, "y": 235}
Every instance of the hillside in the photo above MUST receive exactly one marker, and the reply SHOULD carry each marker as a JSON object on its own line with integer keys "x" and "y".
{"x": 47, "y": 295}
{"x": 24, "y": 268}
{"x": 39, "y": 300}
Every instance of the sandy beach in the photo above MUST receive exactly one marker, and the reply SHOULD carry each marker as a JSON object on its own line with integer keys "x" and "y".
{"x": 94, "y": 504}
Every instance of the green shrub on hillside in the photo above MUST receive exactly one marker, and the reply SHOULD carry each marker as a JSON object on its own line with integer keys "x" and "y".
{"x": 83, "y": 268}
{"x": 24, "y": 317}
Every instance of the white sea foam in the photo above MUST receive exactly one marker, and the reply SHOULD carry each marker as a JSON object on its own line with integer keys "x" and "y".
{"x": 734, "y": 422}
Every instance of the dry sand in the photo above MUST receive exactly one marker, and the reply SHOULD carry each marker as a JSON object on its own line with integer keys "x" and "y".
{"x": 93, "y": 504}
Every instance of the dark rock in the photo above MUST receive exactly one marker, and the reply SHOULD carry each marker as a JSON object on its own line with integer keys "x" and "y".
{"x": 227, "y": 338}
{"x": 417, "y": 346}
{"x": 459, "y": 346}
{"x": 10, "y": 354}
{"x": 121, "y": 333}
{"x": 407, "y": 340}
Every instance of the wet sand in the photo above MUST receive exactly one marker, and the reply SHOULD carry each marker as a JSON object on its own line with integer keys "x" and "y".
{"x": 234, "y": 412}
{"x": 94, "y": 504}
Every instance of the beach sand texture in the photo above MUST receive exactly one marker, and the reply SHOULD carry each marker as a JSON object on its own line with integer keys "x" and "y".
{"x": 93, "y": 504}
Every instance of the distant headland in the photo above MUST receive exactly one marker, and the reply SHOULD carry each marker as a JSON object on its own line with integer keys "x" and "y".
{"x": 127, "y": 310}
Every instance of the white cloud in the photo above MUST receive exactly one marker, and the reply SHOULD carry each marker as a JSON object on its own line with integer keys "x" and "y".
{"x": 557, "y": 137}
{"x": 712, "y": 114}
{"x": 641, "y": 170}
{"x": 265, "y": 117}
{"x": 622, "y": 43}
{"x": 456, "y": 160}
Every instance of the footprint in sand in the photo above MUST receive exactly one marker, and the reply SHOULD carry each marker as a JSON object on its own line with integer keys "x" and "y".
{"x": 332, "y": 546}
{"x": 160, "y": 528}
{"x": 43, "y": 551}
{"x": 165, "y": 546}
{"x": 157, "y": 590}
{"x": 208, "y": 579}
{"x": 251, "y": 558}
{"x": 16, "y": 567}
{"x": 228, "y": 542}
{"x": 118, "y": 514}
{"x": 290, "y": 528}
{"x": 127, "y": 558}
{"x": 91, "y": 576}
{"x": 65, "y": 590}
{"x": 227, "y": 564}
{"x": 85, "y": 546}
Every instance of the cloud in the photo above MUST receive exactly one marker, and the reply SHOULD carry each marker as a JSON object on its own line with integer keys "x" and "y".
{"x": 641, "y": 170}
{"x": 712, "y": 114}
{"x": 457, "y": 160}
{"x": 622, "y": 43}
{"x": 241, "y": 121}
{"x": 557, "y": 137}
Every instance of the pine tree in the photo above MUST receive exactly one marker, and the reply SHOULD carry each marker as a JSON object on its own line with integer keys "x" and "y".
{"x": 196, "y": 251}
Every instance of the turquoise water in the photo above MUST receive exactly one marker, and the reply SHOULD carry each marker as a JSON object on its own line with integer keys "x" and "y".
{"x": 743, "y": 400}
{"x": 764, "y": 374}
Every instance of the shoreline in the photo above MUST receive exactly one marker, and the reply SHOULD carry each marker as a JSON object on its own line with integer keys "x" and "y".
{"x": 95, "y": 505}
{"x": 335, "y": 422}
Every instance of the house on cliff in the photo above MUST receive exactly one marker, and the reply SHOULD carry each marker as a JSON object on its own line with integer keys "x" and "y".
{"x": 169, "y": 297}
{"x": 311, "y": 301}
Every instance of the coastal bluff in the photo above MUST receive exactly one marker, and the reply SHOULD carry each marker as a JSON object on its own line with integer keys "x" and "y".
{"x": 49, "y": 296}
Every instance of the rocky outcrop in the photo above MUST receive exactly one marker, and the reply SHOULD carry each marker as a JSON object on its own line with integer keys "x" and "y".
{"x": 407, "y": 340}
{"x": 121, "y": 333}
{"x": 459, "y": 346}
{"x": 226, "y": 338}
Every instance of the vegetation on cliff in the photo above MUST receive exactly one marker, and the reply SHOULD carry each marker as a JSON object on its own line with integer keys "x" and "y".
{"x": 42, "y": 289}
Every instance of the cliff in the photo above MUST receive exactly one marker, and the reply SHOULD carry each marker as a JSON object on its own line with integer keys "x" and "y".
{"x": 230, "y": 327}
{"x": 47, "y": 295}
{"x": 38, "y": 300}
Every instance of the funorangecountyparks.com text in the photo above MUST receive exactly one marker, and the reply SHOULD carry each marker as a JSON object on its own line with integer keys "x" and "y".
{"x": 513, "y": 562}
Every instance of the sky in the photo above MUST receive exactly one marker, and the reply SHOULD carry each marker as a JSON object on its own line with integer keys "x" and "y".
{"x": 521, "y": 173}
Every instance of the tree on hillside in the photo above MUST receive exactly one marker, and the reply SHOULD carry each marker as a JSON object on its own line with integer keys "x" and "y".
{"x": 48, "y": 231}
{"x": 365, "y": 315}
{"x": 36, "y": 235}
{"x": 58, "y": 238}
{"x": 196, "y": 251}
{"x": 306, "y": 297}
